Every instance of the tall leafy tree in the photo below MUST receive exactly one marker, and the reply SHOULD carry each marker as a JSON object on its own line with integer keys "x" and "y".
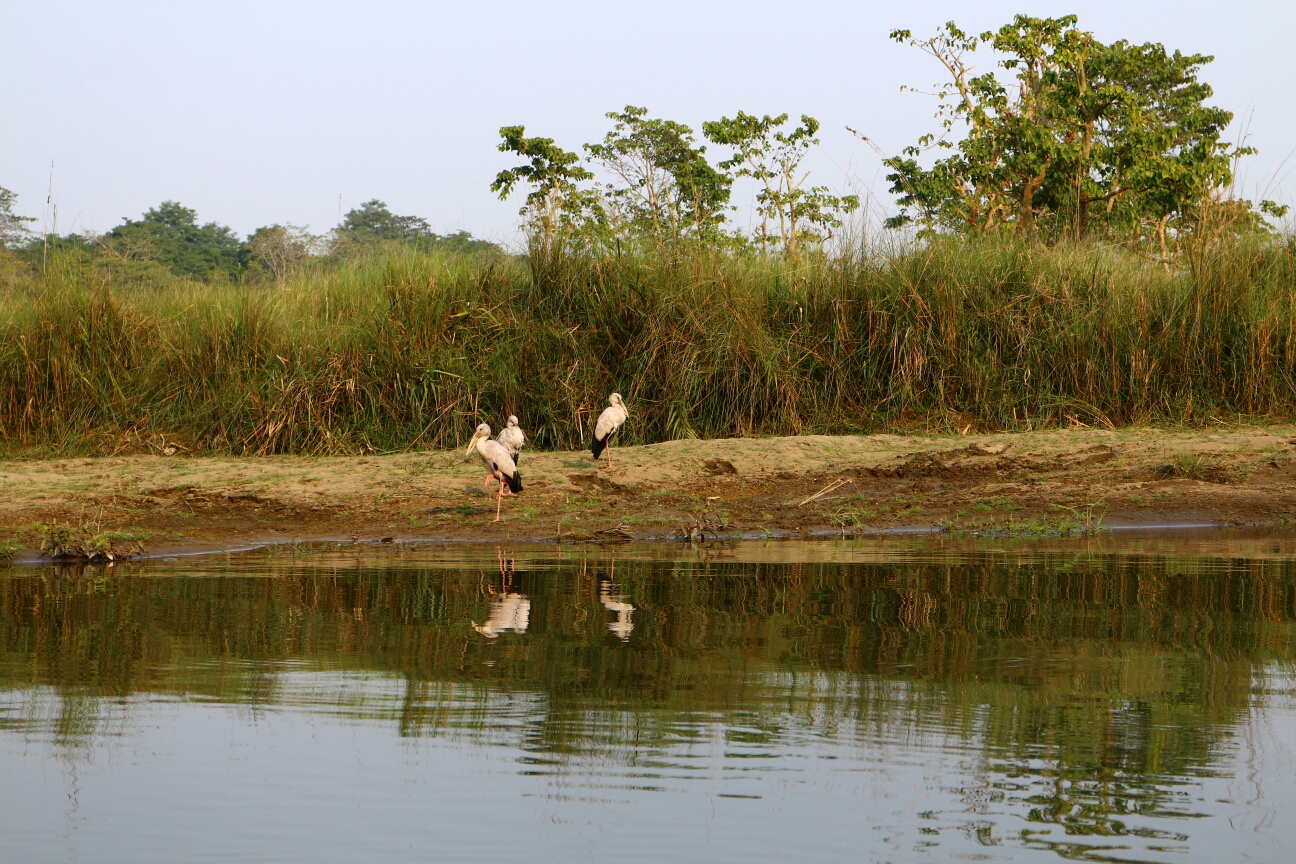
{"x": 662, "y": 190}
{"x": 1084, "y": 138}
{"x": 772, "y": 157}
{"x": 13, "y": 228}
{"x": 170, "y": 233}
{"x": 374, "y": 221}
{"x": 667, "y": 190}
{"x": 556, "y": 207}
{"x": 281, "y": 249}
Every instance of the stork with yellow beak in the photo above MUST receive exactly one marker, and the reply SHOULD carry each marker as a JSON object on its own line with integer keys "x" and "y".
{"x": 497, "y": 461}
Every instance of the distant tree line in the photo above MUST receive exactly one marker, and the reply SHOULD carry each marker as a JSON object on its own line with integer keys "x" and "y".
{"x": 171, "y": 236}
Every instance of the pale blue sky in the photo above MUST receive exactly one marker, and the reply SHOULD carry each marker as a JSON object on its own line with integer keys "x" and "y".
{"x": 264, "y": 112}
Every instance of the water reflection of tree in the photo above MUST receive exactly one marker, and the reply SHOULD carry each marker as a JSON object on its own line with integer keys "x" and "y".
{"x": 1104, "y": 669}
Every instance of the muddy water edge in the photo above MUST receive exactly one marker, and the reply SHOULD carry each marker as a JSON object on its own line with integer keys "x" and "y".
{"x": 1024, "y": 484}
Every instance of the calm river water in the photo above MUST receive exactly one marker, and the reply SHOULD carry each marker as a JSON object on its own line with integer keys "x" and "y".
{"x": 870, "y": 701}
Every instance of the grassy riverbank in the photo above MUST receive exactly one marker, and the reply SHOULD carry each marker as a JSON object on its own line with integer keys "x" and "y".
{"x": 1059, "y": 483}
{"x": 405, "y": 349}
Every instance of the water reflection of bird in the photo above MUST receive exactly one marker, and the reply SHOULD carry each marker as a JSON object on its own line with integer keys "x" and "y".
{"x": 610, "y": 597}
{"x": 608, "y": 423}
{"x": 512, "y": 439}
{"x": 507, "y": 612}
{"x": 509, "y": 609}
{"x": 614, "y": 602}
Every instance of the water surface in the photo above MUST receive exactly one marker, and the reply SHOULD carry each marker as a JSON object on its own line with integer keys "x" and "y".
{"x": 827, "y": 702}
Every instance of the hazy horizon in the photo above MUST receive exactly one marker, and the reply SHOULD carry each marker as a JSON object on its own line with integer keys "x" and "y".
{"x": 294, "y": 113}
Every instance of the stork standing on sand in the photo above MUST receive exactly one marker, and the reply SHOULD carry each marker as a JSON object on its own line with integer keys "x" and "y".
{"x": 608, "y": 423}
{"x": 497, "y": 461}
{"x": 512, "y": 438}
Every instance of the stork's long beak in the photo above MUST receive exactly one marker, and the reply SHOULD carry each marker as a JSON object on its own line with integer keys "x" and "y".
{"x": 472, "y": 445}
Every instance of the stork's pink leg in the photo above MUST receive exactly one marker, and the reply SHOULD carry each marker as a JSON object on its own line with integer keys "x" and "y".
{"x": 609, "y": 454}
{"x": 498, "y": 500}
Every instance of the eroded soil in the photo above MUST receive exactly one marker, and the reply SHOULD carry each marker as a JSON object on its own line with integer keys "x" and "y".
{"x": 1043, "y": 483}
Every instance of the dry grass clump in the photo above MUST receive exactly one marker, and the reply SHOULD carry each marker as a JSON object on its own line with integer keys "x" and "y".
{"x": 410, "y": 349}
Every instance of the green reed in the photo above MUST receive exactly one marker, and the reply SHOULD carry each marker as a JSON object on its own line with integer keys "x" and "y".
{"x": 404, "y": 349}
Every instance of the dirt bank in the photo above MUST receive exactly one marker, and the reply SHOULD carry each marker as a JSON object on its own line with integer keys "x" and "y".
{"x": 1032, "y": 483}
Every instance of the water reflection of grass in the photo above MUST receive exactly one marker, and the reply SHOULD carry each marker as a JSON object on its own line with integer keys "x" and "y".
{"x": 1108, "y": 669}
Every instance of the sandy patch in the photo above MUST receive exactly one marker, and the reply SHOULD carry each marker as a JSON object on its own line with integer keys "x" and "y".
{"x": 1027, "y": 483}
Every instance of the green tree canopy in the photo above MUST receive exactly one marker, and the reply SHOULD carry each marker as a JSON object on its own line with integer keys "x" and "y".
{"x": 666, "y": 189}
{"x": 170, "y": 233}
{"x": 280, "y": 249}
{"x": 373, "y": 221}
{"x": 772, "y": 157}
{"x": 662, "y": 190}
{"x": 556, "y": 205}
{"x": 1085, "y": 138}
{"x": 13, "y": 228}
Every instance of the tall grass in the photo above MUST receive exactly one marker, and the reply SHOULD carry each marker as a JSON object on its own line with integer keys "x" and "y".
{"x": 408, "y": 349}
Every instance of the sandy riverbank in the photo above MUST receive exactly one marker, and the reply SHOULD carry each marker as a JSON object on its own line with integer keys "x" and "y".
{"x": 1029, "y": 483}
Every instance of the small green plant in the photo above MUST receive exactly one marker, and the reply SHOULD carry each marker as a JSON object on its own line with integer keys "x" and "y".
{"x": 1086, "y": 520}
{"x": 8, "y": 551}
{"x": 845, "y": 518}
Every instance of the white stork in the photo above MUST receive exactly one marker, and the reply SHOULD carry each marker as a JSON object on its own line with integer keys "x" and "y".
{"x": 512, "y": 438}
{"x": 497, "y": 461}
{"x": 608, "y": 423}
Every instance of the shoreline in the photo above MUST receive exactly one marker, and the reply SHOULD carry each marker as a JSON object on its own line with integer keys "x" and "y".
{"x": 33, "y": 558}
{"x": 1242, "y": 543}
{"x": 1037, "y": 484}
